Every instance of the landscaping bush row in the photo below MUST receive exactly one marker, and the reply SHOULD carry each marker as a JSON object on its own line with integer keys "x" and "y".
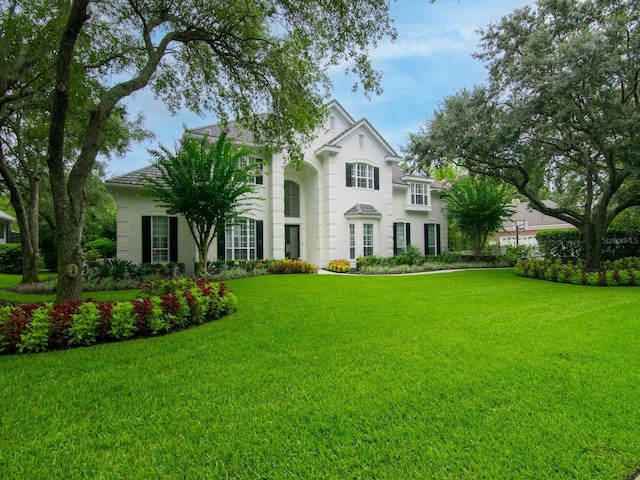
{"x": 172, "y": 304}
{"x": 570, "y": 244}
{"x": 623, "y": 272}
{"x": 412, "y": 261}
{"x": 220, "y": 267}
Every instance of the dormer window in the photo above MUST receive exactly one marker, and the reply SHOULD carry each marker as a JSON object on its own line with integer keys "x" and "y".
{"x": 419, "y": 194}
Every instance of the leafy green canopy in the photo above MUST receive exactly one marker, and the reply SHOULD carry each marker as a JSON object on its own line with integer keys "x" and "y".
{"x": 478, "y": 207}
{"x": 561, "y": 110}
{"x": 205, "y": 183}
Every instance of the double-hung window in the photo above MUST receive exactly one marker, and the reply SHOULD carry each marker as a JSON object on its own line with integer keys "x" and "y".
{"x": 367, "y": 239}
{"x": 159, "y": 239}
{"x": 400, "y": 237}
{"x": 352, "y": 241}
{"x": 257, "y": 168}
{"x": 240, "y": 240}
{"x": 419, "y": 194}
{"x": 363, "y": 175}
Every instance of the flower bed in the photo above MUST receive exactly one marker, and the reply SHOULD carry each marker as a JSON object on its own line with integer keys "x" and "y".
{"x": 339, "y": 266}
{"x": 291, "y": 266}
{"x": 171, "y": 304}
{"x": 623, "y": 272}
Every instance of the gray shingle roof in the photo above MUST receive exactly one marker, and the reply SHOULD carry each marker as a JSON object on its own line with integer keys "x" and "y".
{"x": 362, "y": 209}
{"x": 534, "y": 218}
{"x": 135, "y": 177}
{"x": 235, "y": 130}
{"x": 398, "y": 172}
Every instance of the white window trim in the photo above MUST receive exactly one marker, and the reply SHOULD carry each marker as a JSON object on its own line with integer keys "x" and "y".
{"x": 411, "y": 205}
{"x": 159, "y": 254}
{"x": 401, "y": 231}
{"x": 259, "y": 163}
{"x": 368, "y": 177}
{"x": 241, "y": 236}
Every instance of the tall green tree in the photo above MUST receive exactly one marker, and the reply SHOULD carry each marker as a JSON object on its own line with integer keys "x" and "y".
{"x": 561, "y": 110}
{"x": 236, "y": 59}
{"x": 205, "y": 183}
{"x": 478, "y": 206}
{"x": 27, "y": 38}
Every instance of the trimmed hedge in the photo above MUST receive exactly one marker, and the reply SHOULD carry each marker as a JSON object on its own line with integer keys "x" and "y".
{"x": 10, "y": 258}
{"x": 340, "y": 266}
{"x": 623, "y": 272}
{"x": 570, "y": 244}
{"x": 216, "y": 267}
{"x": 172, "y": 304}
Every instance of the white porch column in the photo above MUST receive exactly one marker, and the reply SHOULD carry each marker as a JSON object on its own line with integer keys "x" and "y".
{"x": 276, "y": 180}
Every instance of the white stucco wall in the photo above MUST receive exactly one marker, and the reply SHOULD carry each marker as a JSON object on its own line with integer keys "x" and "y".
{"x": 324, "y": 197}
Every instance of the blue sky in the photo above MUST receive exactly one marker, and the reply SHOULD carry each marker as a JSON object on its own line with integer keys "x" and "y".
{"x": 430, "y": 60}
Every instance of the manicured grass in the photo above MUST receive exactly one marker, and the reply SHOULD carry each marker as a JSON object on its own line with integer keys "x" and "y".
{"x": 476, "y": 374}
{"x": 7, "y": 281}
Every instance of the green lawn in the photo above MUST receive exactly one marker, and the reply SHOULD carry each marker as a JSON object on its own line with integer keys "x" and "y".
{"x": 7, "y": 281}
{"x": 476, "y": 374}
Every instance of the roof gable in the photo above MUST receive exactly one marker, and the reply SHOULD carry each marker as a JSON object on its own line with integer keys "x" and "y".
{"x": 361, "y": 125}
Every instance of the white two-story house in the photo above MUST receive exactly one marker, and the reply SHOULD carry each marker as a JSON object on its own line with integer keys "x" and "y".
{"x": 348, "y": 198}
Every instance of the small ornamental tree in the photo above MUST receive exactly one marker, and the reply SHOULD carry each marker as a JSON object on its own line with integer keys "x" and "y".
{"x": 478, "y": 206}
{"x": 206, "y": 184}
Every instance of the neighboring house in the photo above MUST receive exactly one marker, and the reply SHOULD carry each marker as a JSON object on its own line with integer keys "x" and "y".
{"x": 347, "y": 198}
{"x": 529, "y": 222}
{"x": 6, "y": 235}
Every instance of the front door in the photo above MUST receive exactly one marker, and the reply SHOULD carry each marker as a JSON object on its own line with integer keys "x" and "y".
{"x": 292, "y": 241}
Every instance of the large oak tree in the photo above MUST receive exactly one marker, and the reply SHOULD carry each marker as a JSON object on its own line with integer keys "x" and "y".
{"x": 561, "y": 109}
{"x": 236, "y": 59}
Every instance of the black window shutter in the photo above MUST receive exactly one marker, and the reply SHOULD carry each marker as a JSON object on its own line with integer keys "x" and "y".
{"x": 376, "y": 178}
{"x": 395, "y": 239}
{"x": 146, "y": 239}
{"x": 408, "y": 232}
{"x": 259, "y": 239}
{"x": 259, "y": 180}
{"x": 173, "y": 239}
{"x": 221, "y": 246}
{"x": 349, "y": 173}
{"x": 438, "y": 249}
{"x": 426, "y": 239}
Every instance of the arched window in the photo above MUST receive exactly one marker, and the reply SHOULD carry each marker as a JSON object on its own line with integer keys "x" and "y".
{"x": 291, "y": 199}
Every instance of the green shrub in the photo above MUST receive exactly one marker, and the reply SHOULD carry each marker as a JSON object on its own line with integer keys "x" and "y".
{"x": 84, "y": 329}
{"x": 569, "y": 244}
{"x": 10, "y": 258}
{"x": 622, "y": 272}
{"x": 36, "y": 334}
{"x": 291, "y": 266}
{"x": 410, "y": 256}
{"x": 104, "y": 247}
{"x": 340, "y": 266}
{"x": 515, "y": 253}
{"x": 156, "y": 321}
{"x": 122, "y": 320}
{"x": 183, "y": 302}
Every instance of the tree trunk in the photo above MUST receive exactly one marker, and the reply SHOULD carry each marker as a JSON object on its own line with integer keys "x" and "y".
{"x": 593, "y": 236}
{"x": 27, "y": 222}
{"x": 202, "y": 259}
{"x": 70, "y": 258}
{"x": 69, "y": 207}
